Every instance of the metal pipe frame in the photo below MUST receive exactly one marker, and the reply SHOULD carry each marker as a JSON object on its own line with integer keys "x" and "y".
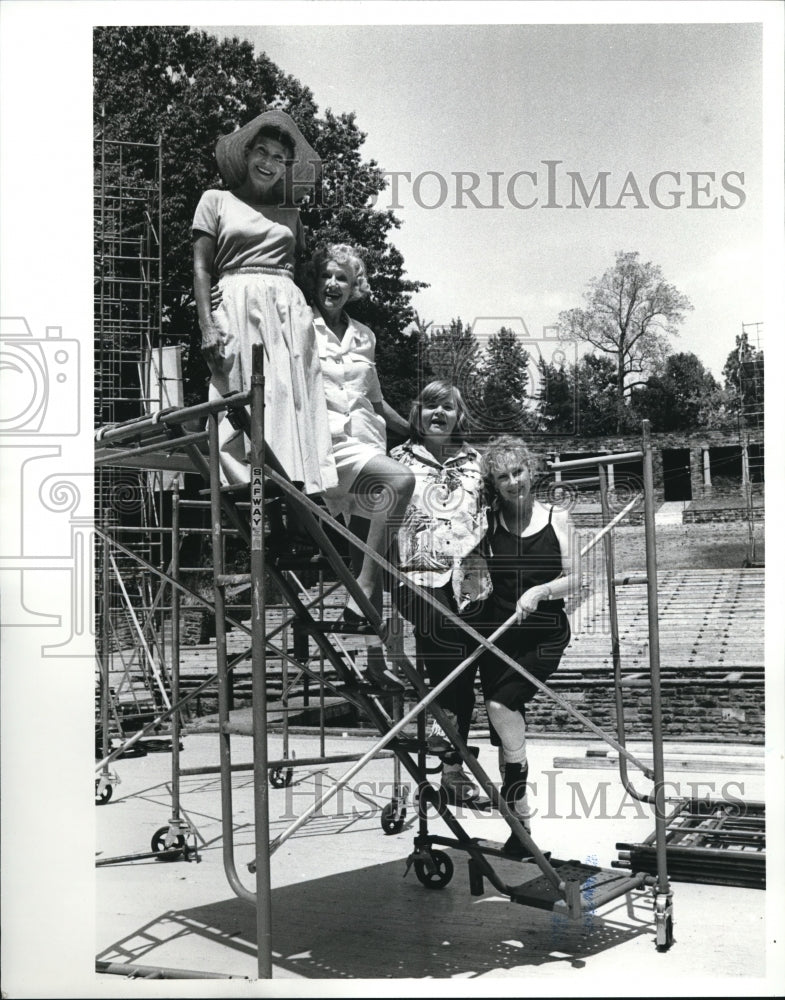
{"x": 271, "y": 470}
{"x": 615, "y": 641}
{"x": 181, "y": 587}
{"x": 663, "y": 887}
{"x": 600, "y": 460}
{"x": 225, "y": 753}
{"x": 259, "y": 672}
{"x": 307, "y": 505}
{"x": 174, "y": 417}
{"x": 157, "y": 446}
{"x": 371, "y": 705}
{"x": 175, "y": 819}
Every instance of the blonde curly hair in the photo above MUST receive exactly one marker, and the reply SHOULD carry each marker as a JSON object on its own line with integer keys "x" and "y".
{"x": 345, "y": 256}
{"x": 503, "y": 453}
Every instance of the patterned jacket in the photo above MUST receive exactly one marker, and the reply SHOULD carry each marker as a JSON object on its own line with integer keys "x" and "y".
{"x": 445, "y": 522}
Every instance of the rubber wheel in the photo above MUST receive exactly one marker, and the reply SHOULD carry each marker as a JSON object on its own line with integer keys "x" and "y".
{"x": 280, "y": 777}
{"x": 171, "y": 853}
{"x": 103, "y": 798}
{"x": 390, "y": 822}
{"x": 437, "y": 876}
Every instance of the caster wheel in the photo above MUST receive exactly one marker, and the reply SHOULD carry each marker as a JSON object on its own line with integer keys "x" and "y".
{"x": 436, "y": 875}
{"x": 171, "y": 853}
{"x": 105, "y": 795}
{"x": 392, "y": 819}
{"x": 280, "y": 777}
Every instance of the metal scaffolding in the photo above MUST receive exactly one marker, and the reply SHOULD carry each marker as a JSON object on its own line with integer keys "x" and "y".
{"x": 548, "y": 883}
{"x": 132, "y": 378}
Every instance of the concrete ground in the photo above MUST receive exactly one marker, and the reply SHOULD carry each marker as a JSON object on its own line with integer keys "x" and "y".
{"x": 343, "y": 911}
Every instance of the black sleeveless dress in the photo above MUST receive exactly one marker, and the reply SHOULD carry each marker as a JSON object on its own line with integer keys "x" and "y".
{"x": 515, "y": 565}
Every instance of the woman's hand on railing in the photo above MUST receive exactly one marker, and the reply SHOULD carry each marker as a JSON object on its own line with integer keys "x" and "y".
{"x": 530, "y": 599}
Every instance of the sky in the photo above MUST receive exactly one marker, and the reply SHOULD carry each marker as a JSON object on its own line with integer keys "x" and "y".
{"x": 494, "y": 100}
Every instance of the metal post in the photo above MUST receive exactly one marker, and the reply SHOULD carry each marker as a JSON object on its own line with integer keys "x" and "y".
{"x": 610, "y": 575}
{"x": 321, "y": 669}
{"x": 285, "y": 693}
{"x": 746, "y": 481}
{"x": 175, "y": 673}
{"x": 225, "y": 752}
{"x": 259, "y": 672}
{"x": 612, "y": 609}
{"x": 105, "y": 654}
{"x": 663, "y": 904}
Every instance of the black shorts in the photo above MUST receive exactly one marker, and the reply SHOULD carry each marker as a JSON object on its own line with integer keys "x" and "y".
{"x": 537, "y": 644}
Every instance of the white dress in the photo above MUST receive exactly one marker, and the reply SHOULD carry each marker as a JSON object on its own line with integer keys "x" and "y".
{"x": 351, "y": 386}
{"x": 261, "y": 304}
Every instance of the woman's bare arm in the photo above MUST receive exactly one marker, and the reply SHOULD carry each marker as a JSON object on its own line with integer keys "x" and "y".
{"x": 212, "y": 337}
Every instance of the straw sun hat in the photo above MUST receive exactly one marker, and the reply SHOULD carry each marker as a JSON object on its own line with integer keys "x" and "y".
{"x": 230, "y": 151}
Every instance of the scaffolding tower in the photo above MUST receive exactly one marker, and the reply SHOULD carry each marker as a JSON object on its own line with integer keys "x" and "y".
{"x": 129, "y": 382}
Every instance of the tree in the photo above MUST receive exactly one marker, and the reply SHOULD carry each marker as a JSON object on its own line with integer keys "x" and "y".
{"x": 685, "y": 397}
{"x": 629, "y": 313}
{"x": 744, "y": 377}
{"x": 189, "y": 88}
{"x": 579, "y": 398}
{"x": 452, "y": 353}
{"x": 506, "y": 377}
{"x": 557, "y": 407}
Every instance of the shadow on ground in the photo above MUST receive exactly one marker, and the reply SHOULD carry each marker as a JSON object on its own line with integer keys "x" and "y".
{"x": 372, "y": 923}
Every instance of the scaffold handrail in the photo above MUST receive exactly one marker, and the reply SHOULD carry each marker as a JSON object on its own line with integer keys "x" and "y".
{"x": 453, "y": 619}
{"x": 178, "y": 416}
{"x": 175, "y": 416}
{"x": 583, "y": 463}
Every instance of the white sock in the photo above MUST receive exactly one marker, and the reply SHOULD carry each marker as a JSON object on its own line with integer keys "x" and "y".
{"x": 516, "y": 756}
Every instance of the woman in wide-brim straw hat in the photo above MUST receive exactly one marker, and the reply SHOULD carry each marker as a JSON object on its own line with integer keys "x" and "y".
{"x": 246, "y": 236}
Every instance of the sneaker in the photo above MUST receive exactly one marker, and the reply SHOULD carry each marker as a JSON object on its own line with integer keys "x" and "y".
{"x": 459, "y": 787}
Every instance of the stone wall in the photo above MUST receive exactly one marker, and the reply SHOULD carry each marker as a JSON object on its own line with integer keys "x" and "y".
{"x": 702, "y": 710}
{"x": 548, "y": 449}
{"x": 721, "y": 514}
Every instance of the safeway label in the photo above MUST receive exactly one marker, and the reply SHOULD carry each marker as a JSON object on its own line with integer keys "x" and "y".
{"x": 257, "y": 510}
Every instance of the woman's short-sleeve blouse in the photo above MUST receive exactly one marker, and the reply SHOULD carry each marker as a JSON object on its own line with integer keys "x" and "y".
{"x": 351, "y": 382}
{"x": 245, "y": 236}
